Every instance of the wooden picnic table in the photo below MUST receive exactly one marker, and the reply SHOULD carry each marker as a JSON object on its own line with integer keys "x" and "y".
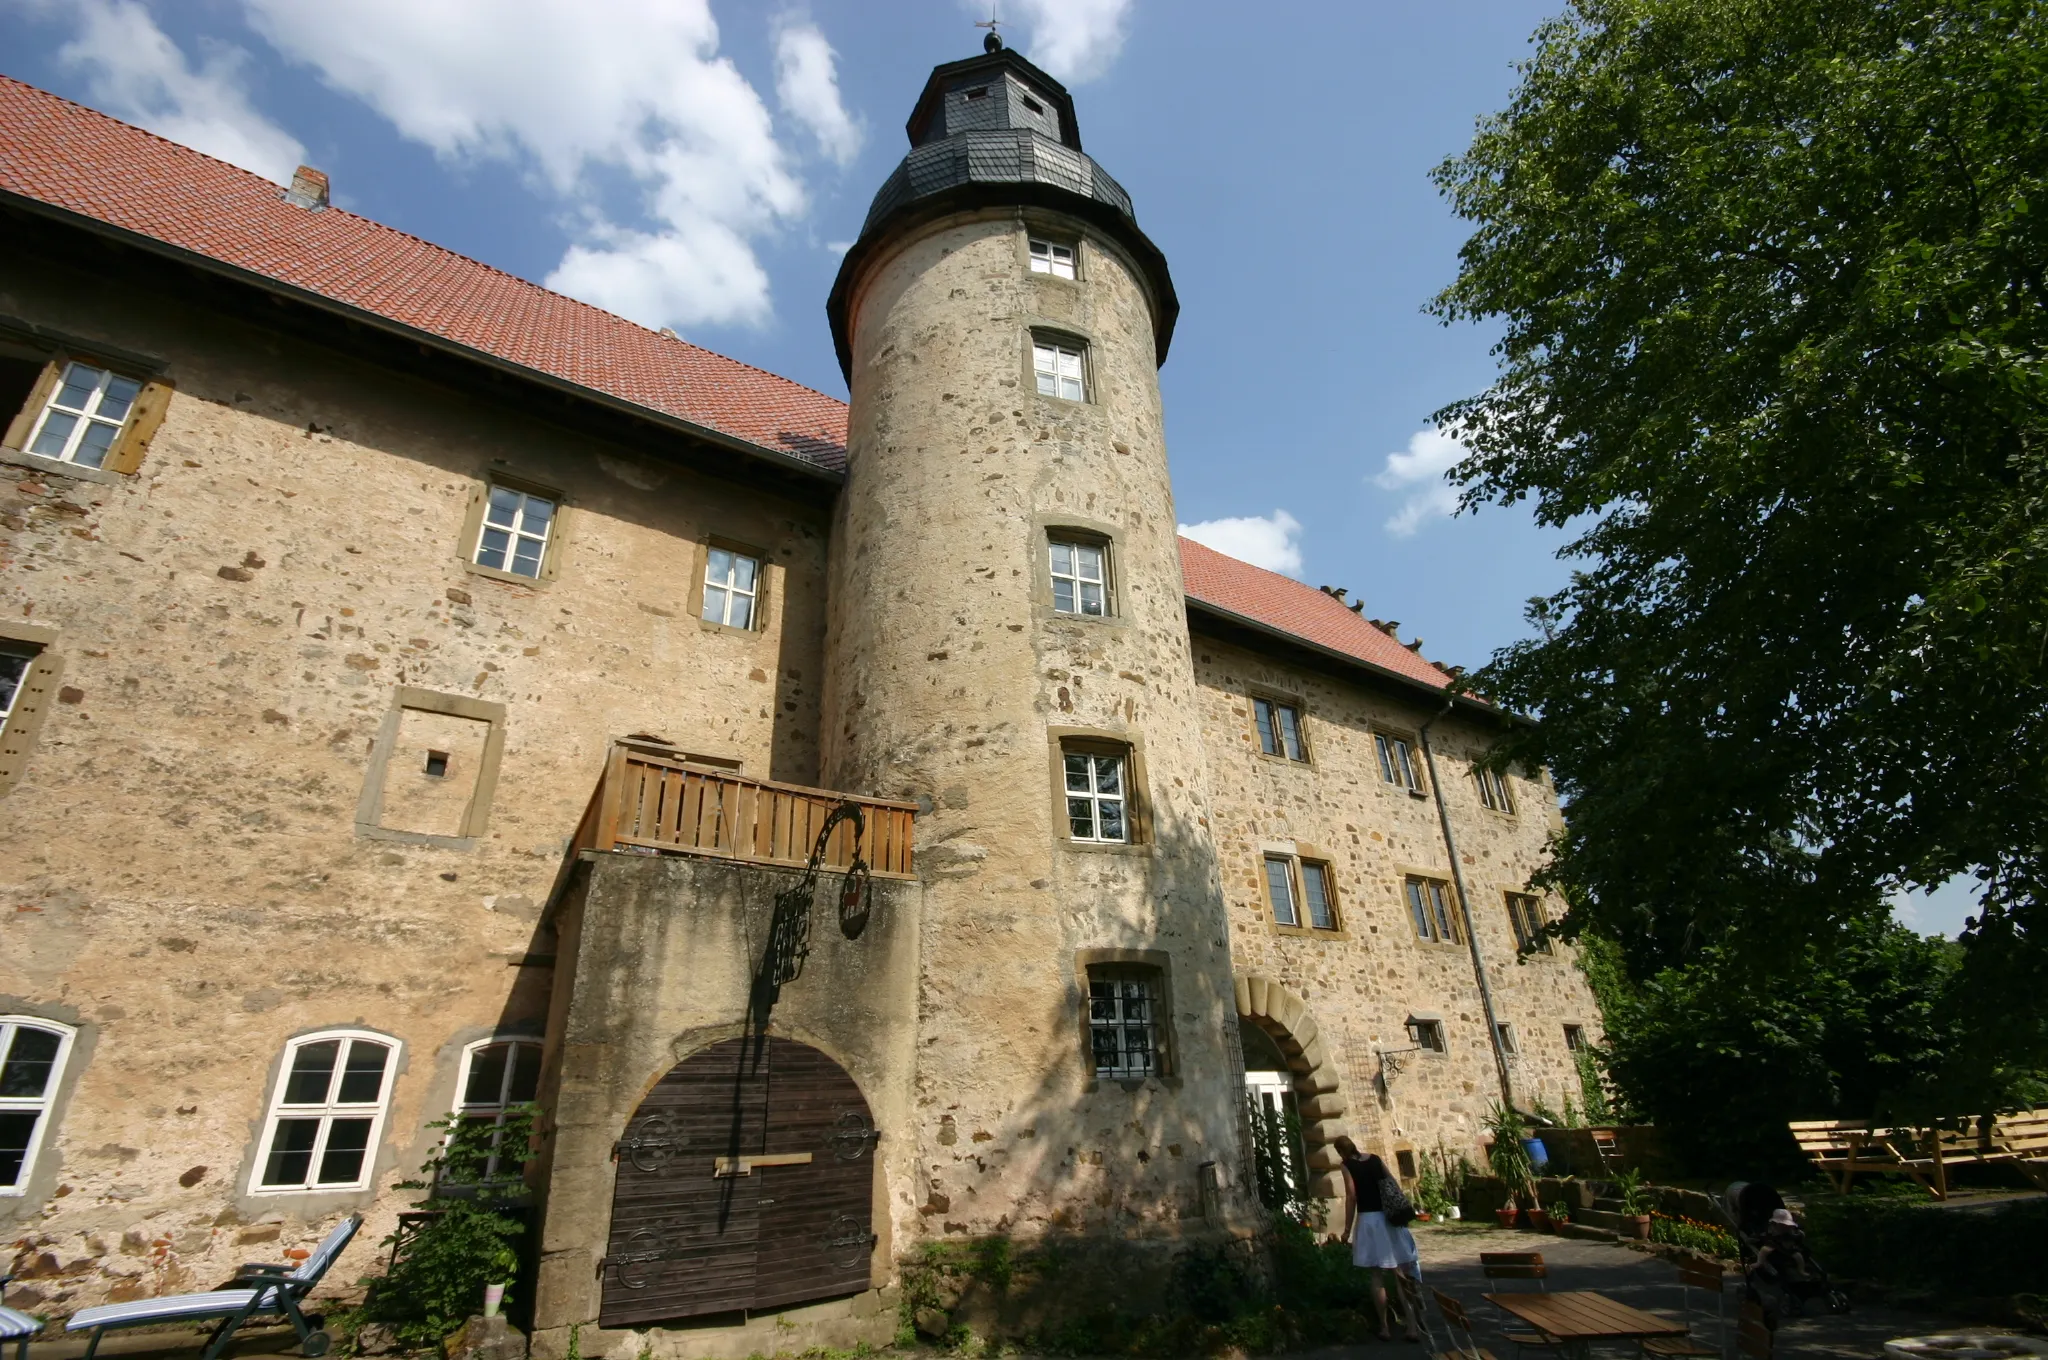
{"x": 1579, "y": 1317}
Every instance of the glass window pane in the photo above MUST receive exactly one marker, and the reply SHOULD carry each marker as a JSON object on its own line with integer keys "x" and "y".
{"x": 1043, "y": 359}
{"x": 1315, "y": 886}
{"x": 1070, "y": 388}
{"x": 1262, "y": 714}
{"x": 1109, "y": 775}
{"x": 362, "y": 1081}
{"x": 1081, "y": 819}
{"x": 13, "y": 669}
{"x": 1440, "y": 899}
{"x": 1417, "y": 911}
{"x": 1089, "y": 562}
{"x": 714, "y": 604}
{"x": 312, "y": 1073}
{"x": 347, "y": 1141}
{"x": 491, "y": 550}
{"x": 17, "y": 1127}
{"x": 1280, "y": 888}
{"x": 55, "y": 433}
{"x": 1407, "y": 765}
{"x": 486, "y": 1085}
{"x": 1048, "y": 384}
{"x": 1091, "y": 598}
{"x": 119, "y": 396}
{"x": 1062, "y": 559}
{"x": 1112, "y": 814}
{"x": 1079, "y": 776}
{"x": 1070, "y": 363}
{"x": 743, "y": 571}
{"x": 94, "y": 443}
{"x": 525, "y": 1073}
{"x": 76, "y": 390}
{"x": 1386, "y": 762}
{"x": 538, "y": 515}
{"x": 27, "y": 1071}
{"x": 718, "y": 566}
{"x": 1063, "y": 596}
{"x": 742, "y": 613}
{"x": 291, "y": 1152}
{"x": 526, "y": 559}
{"x": 1290, "y": 732}
{"x": 504, "y": 507}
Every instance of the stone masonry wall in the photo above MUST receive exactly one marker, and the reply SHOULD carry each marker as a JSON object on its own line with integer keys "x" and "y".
{"x": 1362, "y": 983}
{"x": 181, "y": 876}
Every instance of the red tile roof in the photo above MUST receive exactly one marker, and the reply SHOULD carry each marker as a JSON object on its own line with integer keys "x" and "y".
{"x": 71, "y": 157}
{"x": 1286, "y": 604}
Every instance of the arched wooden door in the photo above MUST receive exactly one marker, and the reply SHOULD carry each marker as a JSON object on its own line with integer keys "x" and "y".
{"x": 745, "y": 1181}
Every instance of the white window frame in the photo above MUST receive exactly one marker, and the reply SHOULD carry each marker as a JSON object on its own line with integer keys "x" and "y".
{"x": 1052, "y": 257}
{"x": 467, "y": 1109}
{"x": 1075, "y": 578}
{"x": 276, "y": 1111}
{"x": 1493, "y": 791}
{"x": 27, "y": 652}
{"x": 1422, "y": 1028}
{"x": 730, "y": 588}
{"x": 1061, "y": 363}
{"x": 84, "y": 417}
{"x": 1397, "y": 761}
{"x": 1094, "y": 796}
{"x": 42, "y": 1105}
{"x": 516, "y": 531}
{"x": 1432, "y": 909}
{"x": 1107, "y": 1002}
{"x": 1278, "y": 737}
{"x": 1294, "y": 877}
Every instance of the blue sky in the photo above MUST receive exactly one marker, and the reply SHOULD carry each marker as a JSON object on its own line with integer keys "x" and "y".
{"x": 700, "y": 164}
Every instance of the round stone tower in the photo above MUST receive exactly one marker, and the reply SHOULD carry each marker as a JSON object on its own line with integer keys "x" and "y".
{"x": 1008, "y": 645}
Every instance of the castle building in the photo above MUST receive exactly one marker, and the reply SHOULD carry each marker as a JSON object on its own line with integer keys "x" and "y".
{"x": 855, "y": 824}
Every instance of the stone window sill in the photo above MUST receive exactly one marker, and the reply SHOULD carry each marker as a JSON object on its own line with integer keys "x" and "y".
{"x": 36, "y": 461}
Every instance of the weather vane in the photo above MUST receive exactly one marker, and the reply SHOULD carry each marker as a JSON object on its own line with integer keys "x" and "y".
{"x": 994, "y": 39}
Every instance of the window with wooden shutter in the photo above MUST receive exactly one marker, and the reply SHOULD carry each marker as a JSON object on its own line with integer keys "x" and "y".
{"x": 28, "y": 686}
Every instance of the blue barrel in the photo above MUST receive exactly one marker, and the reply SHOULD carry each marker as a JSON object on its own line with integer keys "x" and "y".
{"x": 1539, "y": 1156}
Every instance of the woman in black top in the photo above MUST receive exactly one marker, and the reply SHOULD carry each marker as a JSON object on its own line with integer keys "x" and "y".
{"x": 1377, "y": 1245}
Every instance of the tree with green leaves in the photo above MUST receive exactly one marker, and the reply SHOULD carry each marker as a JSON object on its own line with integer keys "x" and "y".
{"x": 1773, "y": 283}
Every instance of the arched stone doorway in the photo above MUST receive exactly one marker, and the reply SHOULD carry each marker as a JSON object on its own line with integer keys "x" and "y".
{"x": 1284, "y": 1018}
{"x": 745, "y": 1181}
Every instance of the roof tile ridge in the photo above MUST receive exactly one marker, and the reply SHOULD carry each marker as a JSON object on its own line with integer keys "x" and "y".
{"x": 106, "y": 117}
{"x": 742, "y": 363}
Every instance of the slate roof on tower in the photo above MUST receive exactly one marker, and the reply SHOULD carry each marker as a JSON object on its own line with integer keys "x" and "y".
{"x": 66, "y": 156}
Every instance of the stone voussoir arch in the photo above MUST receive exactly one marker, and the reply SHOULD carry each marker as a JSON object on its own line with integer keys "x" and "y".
{"x": 1286, "y": 1019}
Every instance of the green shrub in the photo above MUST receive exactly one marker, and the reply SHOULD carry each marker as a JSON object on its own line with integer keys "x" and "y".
{"x": 437, "y": 1280}
{"x": 1910, "y": 1243}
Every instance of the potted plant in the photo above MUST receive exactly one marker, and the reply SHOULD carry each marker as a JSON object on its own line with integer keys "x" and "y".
{"x": 1507, "y": 1214}
{"x": 1635, "y": 1204}
{"x": 1510, "y": 1161}
{"x": 1560, "y": 1214}
{"x": 1539, "y": 1218}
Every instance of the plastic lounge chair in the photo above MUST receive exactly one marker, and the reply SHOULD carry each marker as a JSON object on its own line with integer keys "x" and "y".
{"x": 256, "y": 1290}
{"x": 15, "y": 1325}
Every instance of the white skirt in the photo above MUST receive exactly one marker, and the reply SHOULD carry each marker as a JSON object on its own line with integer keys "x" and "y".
{"x": 1380, "y": 1246}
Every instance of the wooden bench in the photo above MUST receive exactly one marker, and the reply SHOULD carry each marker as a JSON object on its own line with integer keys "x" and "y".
{"x": 1840, "y": 1149}
{"x": 2024, "y": 1138}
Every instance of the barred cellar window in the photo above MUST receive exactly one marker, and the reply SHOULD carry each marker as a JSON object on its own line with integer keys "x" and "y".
{"x": 1123, "y": 1022}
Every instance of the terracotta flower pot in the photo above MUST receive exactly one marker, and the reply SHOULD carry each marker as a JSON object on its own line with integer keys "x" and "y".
{"x": 1507, "y": 1215}
{"x": 1539, "y": 1219}
{"x": 1636, "y": 1226}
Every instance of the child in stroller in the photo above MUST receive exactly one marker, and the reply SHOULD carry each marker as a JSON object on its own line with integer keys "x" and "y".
{"x": 1780, "y": 1272}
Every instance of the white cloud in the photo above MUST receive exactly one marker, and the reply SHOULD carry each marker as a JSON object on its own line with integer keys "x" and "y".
{"x": 1419, "y": 471}
{"x": 135, "y": 72}
{"x": 1075, "y": 40}
{"x": 1270, "y": 541}
{"x": 635, "y": 90}
{"x": 807, "y": 84}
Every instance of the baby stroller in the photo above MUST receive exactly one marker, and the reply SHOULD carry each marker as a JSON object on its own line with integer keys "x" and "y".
{"x": 1779, "y": 1271}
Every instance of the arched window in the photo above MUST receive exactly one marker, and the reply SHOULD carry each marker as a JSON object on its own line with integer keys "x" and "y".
{"x": 32, "y": 1057}
{"x": 327, "y": 1113}
{"x": 497, "y": 1074}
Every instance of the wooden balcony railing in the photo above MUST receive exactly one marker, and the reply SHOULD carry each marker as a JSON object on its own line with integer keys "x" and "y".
{"x": 655, "y": 802}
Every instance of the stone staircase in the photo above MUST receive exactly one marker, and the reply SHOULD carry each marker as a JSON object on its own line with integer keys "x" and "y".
{"x": 1601, "y": 1223}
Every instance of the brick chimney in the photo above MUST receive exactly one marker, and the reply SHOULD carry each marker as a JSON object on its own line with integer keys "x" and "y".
{"x": 309, "y": 188}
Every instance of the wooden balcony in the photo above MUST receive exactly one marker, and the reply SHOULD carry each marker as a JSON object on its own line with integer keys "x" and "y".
{"x": 651, "y": 802}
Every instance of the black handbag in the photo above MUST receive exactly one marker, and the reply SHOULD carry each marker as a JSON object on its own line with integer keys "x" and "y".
{"x": 1394, "y": 1203}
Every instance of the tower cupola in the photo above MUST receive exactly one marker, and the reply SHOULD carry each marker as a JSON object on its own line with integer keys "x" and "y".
{"x": 994, "y": 131}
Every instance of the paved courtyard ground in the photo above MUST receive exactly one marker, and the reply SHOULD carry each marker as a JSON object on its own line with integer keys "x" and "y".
{"x": 1450, "y": 1262}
